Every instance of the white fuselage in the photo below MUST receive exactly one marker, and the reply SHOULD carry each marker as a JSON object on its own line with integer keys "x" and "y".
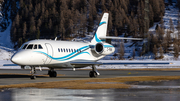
{"x": 57, "y": 54}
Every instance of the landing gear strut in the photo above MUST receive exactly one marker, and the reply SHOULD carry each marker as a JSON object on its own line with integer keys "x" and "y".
{"x": 52, "y": 73}
{"x": 33, "y": 71}
{"x": 94, "y": 72}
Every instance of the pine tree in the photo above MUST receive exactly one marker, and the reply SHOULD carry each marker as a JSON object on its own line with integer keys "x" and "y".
{"x": 39, "y": 23}
{"x": 168, "y": 37}
{"x": 178, "y": 4}
{"x": 90, "y": 23}
{"x": 156, "y": 9}
{"x": 17, "y": 20}
{"x": 171, "y": 25}
{"x": 151, "y": 16}
{"x": 21, "y": 3}
{"x": 121, "y": 50}
{"x": 24, "y": 30}
{"x": 176, "y": 51}
{"x": 32, "y": 21}
{"x": 162, "y": 24}
{"x": 103, "y": 7}
{"x": 160, "y": 33}
{"x": 155, "y": 40}
{"x": 38, "y": 33}
{"x": 50, "y": 24}
{"x": 178, "y": 28}
{"x": 115, "y": 32}
{"x": 161, "y": 52}
{"x": 134, "y": 53}
{"x": 155, "y": 51}
{"x": 165, "y": 44}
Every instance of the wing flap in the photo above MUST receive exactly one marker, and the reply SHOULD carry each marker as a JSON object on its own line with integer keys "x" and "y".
{"x": 86, "y": 63}
{"x": 135, "y": 62}
{"x": 111, "y": 62}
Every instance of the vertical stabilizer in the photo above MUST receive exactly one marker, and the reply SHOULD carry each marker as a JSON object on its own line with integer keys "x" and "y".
{"x": 101, "y": 30}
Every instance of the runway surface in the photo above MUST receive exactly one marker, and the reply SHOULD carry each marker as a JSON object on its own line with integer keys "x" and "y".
{"x": 20, "y": 76}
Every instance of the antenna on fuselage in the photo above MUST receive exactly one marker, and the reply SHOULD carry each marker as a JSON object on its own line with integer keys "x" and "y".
{"x": 55, "y": 38}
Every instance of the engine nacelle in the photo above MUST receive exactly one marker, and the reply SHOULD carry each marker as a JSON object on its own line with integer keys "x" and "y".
{"x": 99, "y": 48}
{"x": 103, "y": 48}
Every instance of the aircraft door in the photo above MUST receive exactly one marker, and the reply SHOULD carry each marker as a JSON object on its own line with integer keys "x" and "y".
{"x": 49, "y": 52}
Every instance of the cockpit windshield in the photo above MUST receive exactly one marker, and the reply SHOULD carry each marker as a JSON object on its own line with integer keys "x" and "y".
{"x": 24, "y": 47}
{"x": 32, "y": 46}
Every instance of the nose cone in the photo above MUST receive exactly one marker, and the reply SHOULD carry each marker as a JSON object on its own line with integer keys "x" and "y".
{"x": 16, "y": 59}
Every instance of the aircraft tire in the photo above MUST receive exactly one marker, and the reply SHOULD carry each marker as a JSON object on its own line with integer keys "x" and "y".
{"x": 92, "y": 74}
{"x": 52, "y": 74}
{"x": 33, "y": 77}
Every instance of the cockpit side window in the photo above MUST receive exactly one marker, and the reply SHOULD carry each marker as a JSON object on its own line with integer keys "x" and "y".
{"x": 40, "y": 47}
{"x": 24, "y": 47}
{"x": 35, "y": 46}
{"x": 30, "y": 46}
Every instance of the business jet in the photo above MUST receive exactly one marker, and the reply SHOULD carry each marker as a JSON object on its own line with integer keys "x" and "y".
{"x": 56, "y": 54}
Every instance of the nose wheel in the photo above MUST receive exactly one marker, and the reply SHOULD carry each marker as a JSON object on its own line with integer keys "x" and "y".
{"x": 33, "y": 71}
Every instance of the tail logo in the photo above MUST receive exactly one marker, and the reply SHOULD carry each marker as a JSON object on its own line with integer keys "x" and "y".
{"x": 102, "y": 23}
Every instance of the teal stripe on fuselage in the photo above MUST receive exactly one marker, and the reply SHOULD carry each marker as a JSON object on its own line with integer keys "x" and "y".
{"x": 69, "y": 56}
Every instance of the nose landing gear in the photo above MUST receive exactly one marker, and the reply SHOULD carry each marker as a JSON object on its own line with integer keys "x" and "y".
{"x": 33, "y": 71}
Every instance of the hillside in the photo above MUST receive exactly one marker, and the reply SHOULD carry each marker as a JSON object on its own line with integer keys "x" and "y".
{"x": 66, "y": 20}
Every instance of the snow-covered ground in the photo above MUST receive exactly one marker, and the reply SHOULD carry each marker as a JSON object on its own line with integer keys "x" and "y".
{"x": 6, "y": 47}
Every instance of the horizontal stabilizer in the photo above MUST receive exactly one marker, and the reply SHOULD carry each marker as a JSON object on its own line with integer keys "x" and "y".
{"x": 110, "y": 37}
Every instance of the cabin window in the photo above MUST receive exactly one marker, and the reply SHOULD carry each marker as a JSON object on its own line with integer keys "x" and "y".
{"x": 30, "y": 46}
{"x": 61, "y": 50}
{"x": 24, "y": 47}
{"x": 71, "y": 50}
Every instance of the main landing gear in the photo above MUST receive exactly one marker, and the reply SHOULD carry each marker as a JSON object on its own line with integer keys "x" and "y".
{"x": 33, "y": 71}
{"x": 52, "y": 73}
{"x": 94, "y": 72}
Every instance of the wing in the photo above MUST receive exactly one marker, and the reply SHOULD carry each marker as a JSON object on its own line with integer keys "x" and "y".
{"x": 7, "y": 63}
{"x": 10, "y": 65}
{"x": 136, "y": 63}
{"x": 119, "y": 62}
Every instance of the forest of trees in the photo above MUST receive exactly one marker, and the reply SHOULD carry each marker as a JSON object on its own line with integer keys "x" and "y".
{"x": 65, "y": 19}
